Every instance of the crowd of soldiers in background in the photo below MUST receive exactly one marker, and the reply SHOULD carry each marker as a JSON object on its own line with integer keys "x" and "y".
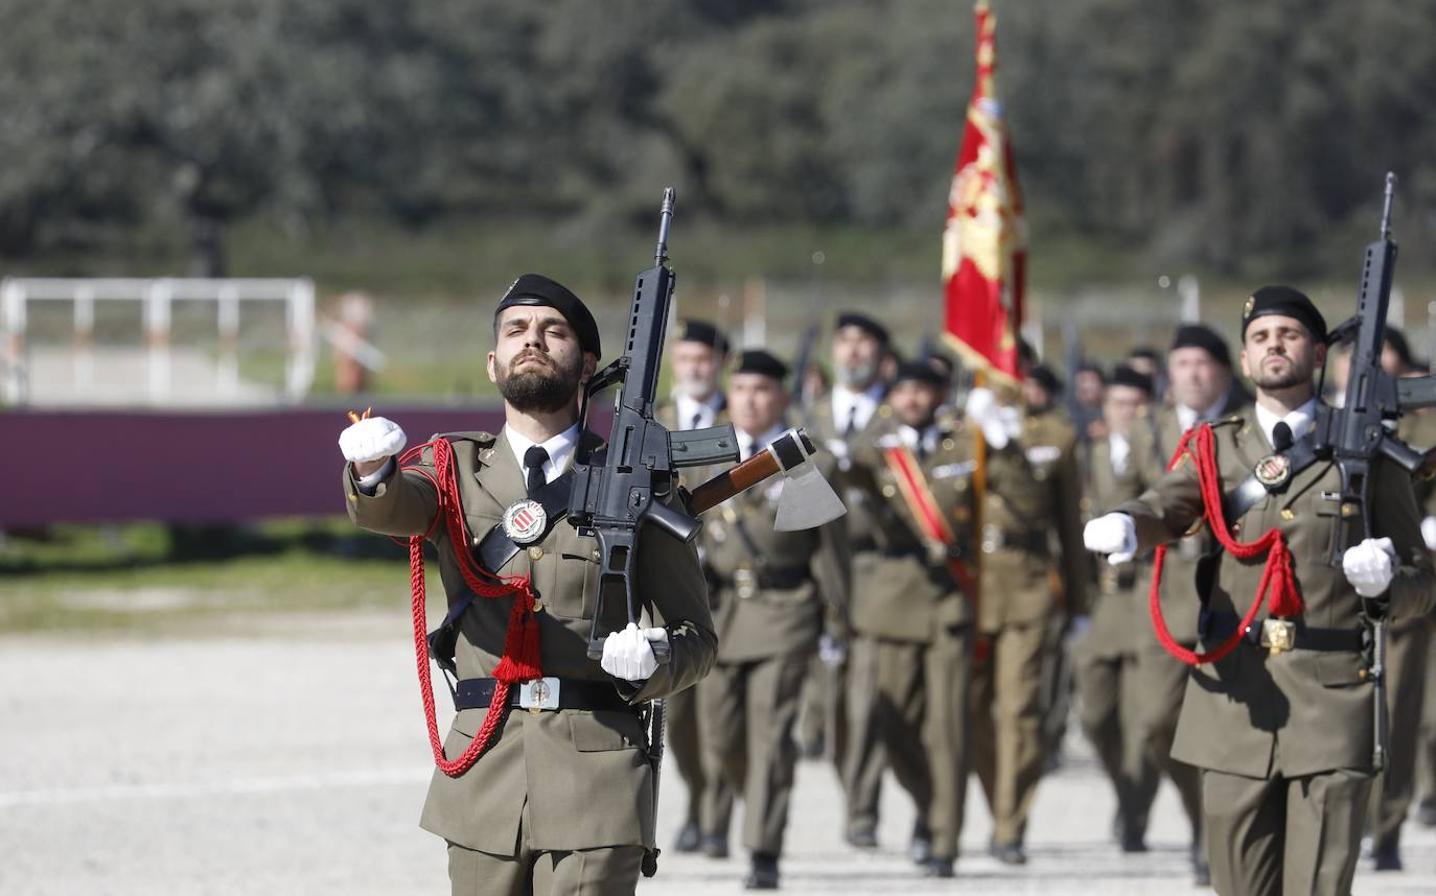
{"x": 869, "y": 643}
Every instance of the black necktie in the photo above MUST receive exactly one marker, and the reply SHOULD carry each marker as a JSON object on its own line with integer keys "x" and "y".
{"x": 534, "y": 459}
{"x": 1281, "y": 436}
{"x": 852, "y": 426}
{"x": 697, "y": 420}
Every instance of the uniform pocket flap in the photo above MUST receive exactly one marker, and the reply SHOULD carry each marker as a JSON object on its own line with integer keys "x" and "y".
{"x": 605, "y": 729}
{"x": 1340, "y": 668}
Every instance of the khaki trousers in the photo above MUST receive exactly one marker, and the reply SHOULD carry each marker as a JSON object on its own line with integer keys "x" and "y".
{"x": 1161, "y": 683}
{"x": 608, "y": 871}
{"x": 1284, "y": 836}
{"x": 747, "y": 713}
{"x": 1007, "y": 726}
{"x": 1107, "y": 686}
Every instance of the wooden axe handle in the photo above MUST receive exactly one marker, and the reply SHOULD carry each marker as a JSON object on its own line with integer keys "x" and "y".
{"x": 732, "y": 482}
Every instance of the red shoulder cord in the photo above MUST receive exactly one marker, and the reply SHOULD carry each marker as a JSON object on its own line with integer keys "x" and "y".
{"x": 1277, "y": 576}
{"x": 521, "y": 658}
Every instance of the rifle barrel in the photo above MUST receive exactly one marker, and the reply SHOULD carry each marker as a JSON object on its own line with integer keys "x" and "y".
{"x": 665, "y": 218}
{"x": 1386, "y": 205}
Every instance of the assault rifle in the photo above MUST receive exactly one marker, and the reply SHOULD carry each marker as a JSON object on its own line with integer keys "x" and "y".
{"x": 1356, "y": 434}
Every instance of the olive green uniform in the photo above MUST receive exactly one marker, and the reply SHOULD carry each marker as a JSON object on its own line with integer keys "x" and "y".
{"x": 1407, "y": 668}
{"x": 841, "y": 701}
{"x": 913, "y": 640}
{"x": 1162, "y": 680}
{"x": 563, "y": 799}
{"x": 769, "y": 613}
{"x": 681, "y": 730}
{"x": 1032, "y": 495}
{"x": 1105, "y": 658}
{"x": 1285, "y": 739}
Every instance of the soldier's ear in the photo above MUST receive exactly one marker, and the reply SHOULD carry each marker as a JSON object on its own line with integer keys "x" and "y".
{"x": 1320, "y": 354}
{"x": 492, "y": 369}
{"x": 590, "y": 367}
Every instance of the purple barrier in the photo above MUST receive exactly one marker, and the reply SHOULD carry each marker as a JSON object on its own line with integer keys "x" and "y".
{"x": 205, "y": 466}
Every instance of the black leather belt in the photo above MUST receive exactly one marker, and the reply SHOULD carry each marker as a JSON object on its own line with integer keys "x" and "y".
{"x": 478, "y": 693}
{"x": 1031, "y": 541}
{"x": 1217, "y": 625}
{"x": 778, "y": 578}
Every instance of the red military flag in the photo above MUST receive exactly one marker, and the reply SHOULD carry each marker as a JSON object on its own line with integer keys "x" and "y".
{"x": 984, "y": 244}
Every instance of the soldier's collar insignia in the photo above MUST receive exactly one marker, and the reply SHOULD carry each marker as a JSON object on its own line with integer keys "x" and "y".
{"x": 524, "y": 521}
{"x": 1273, "y": 471}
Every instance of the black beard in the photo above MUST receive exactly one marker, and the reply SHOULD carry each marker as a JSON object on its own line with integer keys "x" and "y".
{"x": 541, "y": 391}
{"x": 1294, "y": 376}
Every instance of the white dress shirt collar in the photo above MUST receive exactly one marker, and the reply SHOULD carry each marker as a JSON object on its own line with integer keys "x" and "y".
{"x": 748, "y": 446}
{"x": 1300, "y": 420}
{"x": 860, "y": 405}
{"x": 706, "y": 412}
{"x": 1121, "y": 450}
{"x": 560, "y": 450}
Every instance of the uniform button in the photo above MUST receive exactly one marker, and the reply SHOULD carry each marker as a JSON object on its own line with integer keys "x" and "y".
{"x": 948, "y": 444}
{"x": 535, "y": 553}
{"x": 889, "y": 491}
{"x": 538, "y": 606}
{"x": 477, "y": 540}
{"x": 596, "y": 555}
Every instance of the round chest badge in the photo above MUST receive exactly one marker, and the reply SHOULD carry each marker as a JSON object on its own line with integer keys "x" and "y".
{"x": 1273, "y": 471}
{"x": 524, "y": 521}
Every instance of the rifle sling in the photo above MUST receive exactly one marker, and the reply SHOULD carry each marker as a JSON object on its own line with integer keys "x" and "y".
{"x": 1251, "y": 490}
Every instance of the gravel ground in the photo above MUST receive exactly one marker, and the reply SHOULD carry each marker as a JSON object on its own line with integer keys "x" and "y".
{"x": 290, "y": 758}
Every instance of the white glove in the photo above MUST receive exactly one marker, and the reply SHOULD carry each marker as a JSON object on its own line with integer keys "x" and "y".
{"x": 627, "y": 654}
{"x": 999, "y": 425}
{"x": 1369, "y": 566}
{"x": 1428, "y": 532}
{"x": 1114, "y": 535}
{"x": 371, "y": 439}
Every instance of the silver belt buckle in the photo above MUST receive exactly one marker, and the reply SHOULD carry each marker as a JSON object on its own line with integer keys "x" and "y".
{"x": 538, "y": 694}
{"x": 745, "y": 582}
{"x": 1278, "y": 635}
{"x": 992, "y": 538}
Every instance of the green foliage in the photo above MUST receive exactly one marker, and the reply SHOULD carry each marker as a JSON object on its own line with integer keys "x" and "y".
{"x": 1228, "y": 135}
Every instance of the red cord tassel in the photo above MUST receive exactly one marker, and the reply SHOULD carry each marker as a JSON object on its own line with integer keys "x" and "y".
{"x": 1278, "y": 581}
{"x": 521, "y": 659}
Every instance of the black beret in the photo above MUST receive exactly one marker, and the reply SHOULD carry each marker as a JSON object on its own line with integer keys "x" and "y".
{"x": 1122, "y": 375}
{"x": 1397, "y": 340}
{"x": 1144, "y": 351}
{"x": 1285, "y": 301}
{"x": 1205, "y": 338}
{"x": 920, "y": 371}
{"x": 536, "y": 289}
{"x": 1043, "y": 376}
{"x": 759, "y": 361}
{"x": 704, "y": 332}
{"x": 865, "y": 323}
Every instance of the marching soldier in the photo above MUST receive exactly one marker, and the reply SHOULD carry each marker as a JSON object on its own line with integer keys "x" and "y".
{"x": 1283, "y": 731}
{"x": 561, "y": 799}
{"x": 1105, "y": 658}
{"x": 913, "y": 640}
{"x": 1203, "y": 389}
{"x": 1024, "y": 504}
{"x": 852, "y": 415}
{"x": 1407, "y": 649}
{"x": 697, "y": 357}
{"x": 769, "y": 615}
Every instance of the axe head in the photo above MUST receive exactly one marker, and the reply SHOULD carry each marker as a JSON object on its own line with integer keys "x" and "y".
{"x": 807, "y": 500}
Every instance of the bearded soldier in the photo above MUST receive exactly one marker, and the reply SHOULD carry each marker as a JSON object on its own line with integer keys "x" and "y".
{"x": 913, "y": 640}
{"x": 769, "y": 615}
{"x": 1280, "y": 716}
{"x": 697, "y": 357}
{"x": 561, "y": 799}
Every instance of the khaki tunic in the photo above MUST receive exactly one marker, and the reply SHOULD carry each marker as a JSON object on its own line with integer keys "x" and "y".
{"x": 768, "y": 633}
{"x": 577, "y": 779}
{"x": 912, "y": 655}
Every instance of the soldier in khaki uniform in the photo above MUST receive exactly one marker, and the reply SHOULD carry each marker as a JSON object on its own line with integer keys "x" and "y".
{"x": 1203, "y": 389}
{"x": 913, "y": 640}
{"x": 1030, "y": 498}
{"x": 697, "y": 356}
{"x": 850, "y": 416}
{"x": 562, "y": 801}
{"x": 1283, "y": 732}
{"x": 1407, "y": 652}
{"x": 1105, "y": 657}
{"x": 769, "y": 614}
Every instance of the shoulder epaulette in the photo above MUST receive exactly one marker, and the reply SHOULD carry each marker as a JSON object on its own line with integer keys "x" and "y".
{"x": 480, "y": 438}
